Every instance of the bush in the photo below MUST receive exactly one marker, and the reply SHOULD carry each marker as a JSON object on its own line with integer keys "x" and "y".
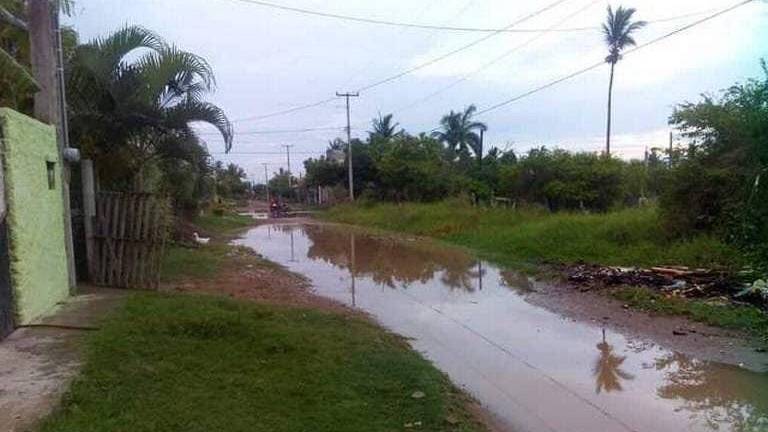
{"x": 565, "y": 181}
{"x": 716, "y": 184}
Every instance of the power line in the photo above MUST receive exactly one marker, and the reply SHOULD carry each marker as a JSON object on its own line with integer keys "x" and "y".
{"x": 412, "y": 69}
{"x": 498, "y": 58}
{"x": 279, "y": 131}
{"x": 367, "y": 20}
{"x": 286, "y": 111}
{"x": 601, "y": 63}
{"x": 461, "y": 48}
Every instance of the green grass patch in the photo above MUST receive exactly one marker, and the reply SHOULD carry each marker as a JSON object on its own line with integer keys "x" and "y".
{"x": 223, "y": 224}
{"x": 200, "y": 364}
{"x": 736, "y": 317}
{"x": 203, "y": 262}
{"x": 631, "y": 237}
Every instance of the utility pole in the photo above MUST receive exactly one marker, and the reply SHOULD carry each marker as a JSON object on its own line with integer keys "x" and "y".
{"x": 47, "y": 68}
{"x": 266, "y": 179}
{"x": 671, "y": 138}
{"x": 43, "y": 59}
{"x": 349, "y": 144}
{"x": 288, "y": 154}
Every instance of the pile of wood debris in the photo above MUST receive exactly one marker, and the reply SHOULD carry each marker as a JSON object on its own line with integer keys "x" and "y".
{"x": 675, "y": 281}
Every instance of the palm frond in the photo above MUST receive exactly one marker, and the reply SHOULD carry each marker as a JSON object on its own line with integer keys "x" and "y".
{"x": 111, "y": 51}
{"x": 171, "y": 75}
{"x": 14, "y": 72}
{"x": 188, "y": 111}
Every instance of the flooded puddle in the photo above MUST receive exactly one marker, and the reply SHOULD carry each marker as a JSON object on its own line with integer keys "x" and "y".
{"x": 534, "y": 369}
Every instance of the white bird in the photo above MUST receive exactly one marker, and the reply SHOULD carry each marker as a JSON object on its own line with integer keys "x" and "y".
{"x": 201, "y": 240}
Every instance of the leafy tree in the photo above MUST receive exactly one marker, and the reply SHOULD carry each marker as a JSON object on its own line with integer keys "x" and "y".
{"x": 412, "y": 169}
{"x": 324, "y": 172}
{"x": 133, "y": 100}
{"x": 281, "y": 184}
{"x": 617, "y": 31}
{"x": 561, "y": 180}
{"x": 230, "y": 181}
{"x": 719, "y": 182}
{"x": 460, "y": 133}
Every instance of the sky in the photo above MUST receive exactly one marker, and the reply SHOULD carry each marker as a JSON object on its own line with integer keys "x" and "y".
{"x": 268, "y": 60}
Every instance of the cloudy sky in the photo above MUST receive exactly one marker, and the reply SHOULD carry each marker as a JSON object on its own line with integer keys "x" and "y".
{"x": 269, "y": 60}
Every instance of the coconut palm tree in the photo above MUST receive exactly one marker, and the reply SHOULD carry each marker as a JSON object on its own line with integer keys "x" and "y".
{"x": 383, "y": 128}
{"x": 617, "y": 30}
{"x": 134, "y": 98}
{"x": 458, "y": 132}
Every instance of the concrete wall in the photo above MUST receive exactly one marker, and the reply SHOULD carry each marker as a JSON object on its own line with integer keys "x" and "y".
{"x": 35, "y": 211}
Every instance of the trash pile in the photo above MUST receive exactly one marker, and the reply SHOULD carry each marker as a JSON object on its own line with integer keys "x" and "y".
{"x": 677, "y": 281}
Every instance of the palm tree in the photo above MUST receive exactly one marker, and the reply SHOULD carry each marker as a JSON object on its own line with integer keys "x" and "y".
{"x": 458, "y": 132}
{"x": 607, "y": 369}
{"x": 383, "y": 128}
{"x": 134, "y": 99}
{"x": 617, "y": 30}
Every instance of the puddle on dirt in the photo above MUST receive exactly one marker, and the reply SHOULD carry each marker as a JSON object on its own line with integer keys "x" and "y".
{"x": 534, "y": 369}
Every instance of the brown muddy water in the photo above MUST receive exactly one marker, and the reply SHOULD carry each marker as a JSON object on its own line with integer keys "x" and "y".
{"x": 532, "y": 368}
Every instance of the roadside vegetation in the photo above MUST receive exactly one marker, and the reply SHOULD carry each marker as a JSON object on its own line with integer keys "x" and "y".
{"x": 630, "y": 237}
{"x": 195, "y": 363}
{"x": 701, "y": 202}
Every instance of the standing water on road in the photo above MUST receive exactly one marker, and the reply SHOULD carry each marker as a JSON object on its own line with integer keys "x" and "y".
{"x": 532, "y": 368}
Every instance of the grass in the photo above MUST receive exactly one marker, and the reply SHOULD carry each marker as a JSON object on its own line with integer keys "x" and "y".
{"x": 205, "y": 261}
{"x": 729, "y": 316}
{"x": 200, "y": 263}
{"x": 631, "y": 237}
{"x": 223, "y": 224}
{"x": 195, "y": 363}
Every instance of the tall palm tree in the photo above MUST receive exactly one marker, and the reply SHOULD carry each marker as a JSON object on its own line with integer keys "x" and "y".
{"x": 458, "y": 132}
{"x": 134, "y": 99}
{"x": 383, "y": 128}
{"x": 617, "y": 30}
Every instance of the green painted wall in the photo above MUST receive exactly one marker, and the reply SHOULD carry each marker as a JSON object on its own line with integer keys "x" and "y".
{"x": 36, "y": 224}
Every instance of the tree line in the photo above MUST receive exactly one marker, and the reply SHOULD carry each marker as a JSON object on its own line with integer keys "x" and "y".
{"x": 715, "y": 182}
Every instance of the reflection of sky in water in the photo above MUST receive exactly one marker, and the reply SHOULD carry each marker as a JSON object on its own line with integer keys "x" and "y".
{"x": 536, "y": 370}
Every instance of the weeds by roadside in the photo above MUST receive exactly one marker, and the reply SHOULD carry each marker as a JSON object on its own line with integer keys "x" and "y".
{"x": 631, "y": 237}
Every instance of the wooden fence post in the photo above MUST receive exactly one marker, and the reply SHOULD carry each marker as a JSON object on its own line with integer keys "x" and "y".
{"x": 89, "y": 213}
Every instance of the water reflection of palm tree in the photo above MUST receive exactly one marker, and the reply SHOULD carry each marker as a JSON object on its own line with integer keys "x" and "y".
{"x": 607, "y": 370}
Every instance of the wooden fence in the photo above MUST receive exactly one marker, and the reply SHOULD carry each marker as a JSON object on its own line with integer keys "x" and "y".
{"x": 128, "y": 237}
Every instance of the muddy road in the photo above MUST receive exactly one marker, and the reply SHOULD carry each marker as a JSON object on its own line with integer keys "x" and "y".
{"x": 534, "y": 367}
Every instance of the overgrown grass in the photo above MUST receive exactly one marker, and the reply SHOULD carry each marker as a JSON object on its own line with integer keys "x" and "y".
{"x": 193, "y": 363}
{"x": 729, "y": 316}
{"x": 631, "y": 237}
{"x": 223, "y": 224}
